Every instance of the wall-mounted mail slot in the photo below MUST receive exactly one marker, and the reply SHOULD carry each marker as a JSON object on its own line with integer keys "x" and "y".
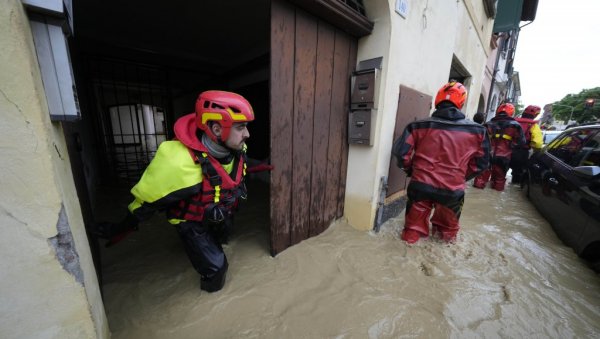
{"x": 363, "y": 89}
{"x": 359, "y": 127}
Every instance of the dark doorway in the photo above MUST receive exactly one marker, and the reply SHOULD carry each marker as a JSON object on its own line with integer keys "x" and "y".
{"x": 139, "y": 66}
{"x": 458, "y": 72}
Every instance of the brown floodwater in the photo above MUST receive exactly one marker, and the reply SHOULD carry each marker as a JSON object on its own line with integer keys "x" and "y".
{"x": 507, "y": 276}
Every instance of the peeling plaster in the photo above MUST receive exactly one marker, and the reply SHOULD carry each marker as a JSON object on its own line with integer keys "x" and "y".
{"x": 64, "y": 247}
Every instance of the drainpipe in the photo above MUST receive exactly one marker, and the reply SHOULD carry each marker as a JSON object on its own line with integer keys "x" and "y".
{"x": 512, "y": 51}
{"x": 491, "y": 92}
{"x": 381, "y": 203}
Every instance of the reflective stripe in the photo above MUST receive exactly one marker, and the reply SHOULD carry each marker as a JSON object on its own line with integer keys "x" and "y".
{"x": 211, "y": 116}
{"x": 503, "y": 136}
{"x": 217, "y": 193}
{"x": 237, "y": 116}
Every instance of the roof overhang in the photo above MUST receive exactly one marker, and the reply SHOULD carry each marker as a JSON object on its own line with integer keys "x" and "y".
{"x": 339, "y": 14}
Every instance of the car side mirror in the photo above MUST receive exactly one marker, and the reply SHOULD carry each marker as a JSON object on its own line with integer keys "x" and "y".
{"x": 587, "y": 171}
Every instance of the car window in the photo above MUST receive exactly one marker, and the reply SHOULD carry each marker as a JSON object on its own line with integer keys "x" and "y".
{"x": 549, "y": 136}
{"x": 590, "y": 152}
{"x": 570, "y": 146}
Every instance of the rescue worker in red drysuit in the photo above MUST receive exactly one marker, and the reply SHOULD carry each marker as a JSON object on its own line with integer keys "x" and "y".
{"x": 198, "y": 179}
{"x": 533, "y": 141}
{"x": 439, "y": 154}
{"x": 505, "y": 134}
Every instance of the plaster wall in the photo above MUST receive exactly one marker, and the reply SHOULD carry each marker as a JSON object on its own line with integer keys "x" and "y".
{"x": 49, "y": 287}
{"x": 487, "y": 76}
{"x": 362, "y": 160}
{"x": 472, "y": 48}
{"x": 417, "y": 52}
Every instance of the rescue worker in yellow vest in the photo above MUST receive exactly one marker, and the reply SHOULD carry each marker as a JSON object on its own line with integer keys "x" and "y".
{"x": 198, "y": 179}
{"x": 505, "y": 134}
{"x": 533, "y": 141}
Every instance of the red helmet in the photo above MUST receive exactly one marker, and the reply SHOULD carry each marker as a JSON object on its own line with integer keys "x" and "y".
{"x": 454, "y": 92}
{"x": 226, "y": 108}
{"x": 532, "y": 110}
{"x": 509, "y": 109}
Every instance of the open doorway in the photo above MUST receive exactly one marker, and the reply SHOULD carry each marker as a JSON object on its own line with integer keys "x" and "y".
{"x": 139, "y": 66}
{"x": 459, "y": 73}
{"x": 481, "y": 104}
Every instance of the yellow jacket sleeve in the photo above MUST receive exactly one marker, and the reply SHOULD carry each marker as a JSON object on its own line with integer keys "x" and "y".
{"x": 536, "y": 137}
{"x": 171, "y": 170}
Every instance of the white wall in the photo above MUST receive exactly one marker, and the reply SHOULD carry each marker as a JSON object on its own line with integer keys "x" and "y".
{"x": 48, "y": 287}
{"x": 417, "y": 52}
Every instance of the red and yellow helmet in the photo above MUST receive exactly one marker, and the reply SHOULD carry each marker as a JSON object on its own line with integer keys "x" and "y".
{"x": 507, "y": 108}
{"x": 454, "y": 92}
{"x": 226, "y": 108}
{"x": 532, "y": 110}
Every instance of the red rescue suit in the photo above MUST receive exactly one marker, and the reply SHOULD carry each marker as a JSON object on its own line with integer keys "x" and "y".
{"x": 439, "y": 154}
{"x": 505, "y": 134}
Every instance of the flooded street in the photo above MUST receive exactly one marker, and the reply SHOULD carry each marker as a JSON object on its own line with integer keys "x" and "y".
{"x": 507, "y": 276}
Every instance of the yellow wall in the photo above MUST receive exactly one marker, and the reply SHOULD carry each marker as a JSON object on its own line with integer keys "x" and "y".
{"x": 39, "y": 297}
{"x": 417, "y": 52}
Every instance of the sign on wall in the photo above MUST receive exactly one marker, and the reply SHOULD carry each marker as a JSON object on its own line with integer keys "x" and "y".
{"x": 402, "y": 8}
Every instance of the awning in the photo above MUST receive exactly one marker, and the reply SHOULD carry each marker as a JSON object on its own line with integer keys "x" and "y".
{"x": 512, "y": 12}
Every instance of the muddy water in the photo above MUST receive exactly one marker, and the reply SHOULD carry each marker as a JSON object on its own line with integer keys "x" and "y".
{"x": 508, "y": 276}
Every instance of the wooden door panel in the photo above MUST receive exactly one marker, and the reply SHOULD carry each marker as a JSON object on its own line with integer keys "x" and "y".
{"x": 340, "y": 87}
{"x": 311, "y": 63}
{"x": 344, "y": 160}
{"x": 302, "y": 134}
{"x": 283, "y": 28}
{"x": 324, "y": 69}
{"x": 412, "y": 105}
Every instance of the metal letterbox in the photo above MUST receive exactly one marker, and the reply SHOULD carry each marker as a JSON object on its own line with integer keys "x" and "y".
{"x": 359, "y": 127}
{"x": 363, "y": 90}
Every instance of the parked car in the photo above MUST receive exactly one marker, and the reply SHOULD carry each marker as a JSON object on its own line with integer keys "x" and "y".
{"x": 548, "y": 136}
{"x": 563, "y": 182}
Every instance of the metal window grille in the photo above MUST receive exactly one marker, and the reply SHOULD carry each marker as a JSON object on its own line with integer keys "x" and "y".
{"x": 131, "y": 102}
{"x": 356, "y": 5}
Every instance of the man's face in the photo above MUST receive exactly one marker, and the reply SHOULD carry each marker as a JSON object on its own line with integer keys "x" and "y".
{"x": 237, "y": 136}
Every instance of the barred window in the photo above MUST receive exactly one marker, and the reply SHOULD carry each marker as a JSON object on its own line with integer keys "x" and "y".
{"x": 356, "y": 5}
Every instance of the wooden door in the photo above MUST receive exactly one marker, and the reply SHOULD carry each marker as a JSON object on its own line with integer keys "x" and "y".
{"x": 311, "y": 63}
{"x": 412, "y": 105}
